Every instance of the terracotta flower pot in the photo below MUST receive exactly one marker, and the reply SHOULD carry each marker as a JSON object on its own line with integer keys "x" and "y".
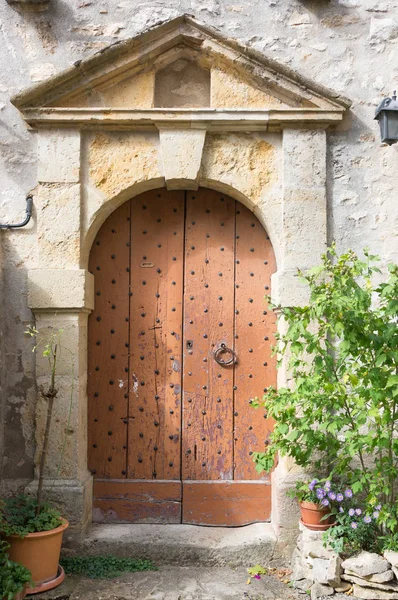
{"x": 312, "y": 516}
{"x": 39, "y": 552}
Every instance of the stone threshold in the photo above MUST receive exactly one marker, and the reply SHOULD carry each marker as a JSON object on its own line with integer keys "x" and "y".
{"x": 174, "y": 583}
{"x": 183, "y": 545}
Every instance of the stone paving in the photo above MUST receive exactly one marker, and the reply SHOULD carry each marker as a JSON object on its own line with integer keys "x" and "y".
{"x": 175, "y": 583}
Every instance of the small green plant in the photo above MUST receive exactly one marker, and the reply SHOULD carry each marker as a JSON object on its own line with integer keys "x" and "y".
{"x": 13, "y": 577}
{"x": 18, "y": 516}
{"x": 341, "y": 415}
{"x": 355, "y": 529}
{"x": 104, "y": 567}
{"x": 256, "y": 572}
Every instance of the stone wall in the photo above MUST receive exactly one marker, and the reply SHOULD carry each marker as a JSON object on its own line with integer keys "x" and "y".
{"x": 350, "y": 46}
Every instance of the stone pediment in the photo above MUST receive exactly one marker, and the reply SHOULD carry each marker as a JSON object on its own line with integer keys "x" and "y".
{"x": 180, "y": 71}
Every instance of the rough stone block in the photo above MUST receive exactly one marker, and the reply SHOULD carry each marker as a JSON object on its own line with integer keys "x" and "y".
{"x": 392, "y": 557}
{"x": 59, "y": 156}
{"x": 181, "y": 152}
{"x": 334, "y": 571}
{"x": 320, "y": 570}
{"x": 383, "y": 30}
{"x": 391, "y": 586}
{"x": 52, "y": 289}
{"x": 366, "y": 563}
{"x": 369, "y": 594}
{"x": 304, "y": 158}
{"x": 319, "y": 591}
{"x": 58, "y": 225}
{"x": 377, "y": 577}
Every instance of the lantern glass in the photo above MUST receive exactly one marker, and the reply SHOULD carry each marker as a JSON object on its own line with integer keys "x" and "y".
{"x": 392, "y": 125}
{"x": 388, "y": 122}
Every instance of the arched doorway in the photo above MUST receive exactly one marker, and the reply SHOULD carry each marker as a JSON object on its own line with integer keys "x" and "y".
{"x": 171, "y": 431}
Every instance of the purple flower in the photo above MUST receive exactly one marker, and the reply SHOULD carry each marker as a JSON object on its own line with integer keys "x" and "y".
{"x": 320, "y": 493}
{"x": 351, "y": 512}
{"x": 328, "y": 485}
{"x": 354, "y": 525}
{"x": 332, "y": 495}
{"x": 367, "y": 519}
{"x": 358, "y": 511}
{"x": 376, "y": 514}
{"x": 313, "y": 484}
{"x": 378, "y": 507}
{"x": 341, "y": 509}
{"x": 325, "y": 502}
{"x": 348, "y": 493}
{"x": 339, "y": 497}
{"x": 257, "y": 576}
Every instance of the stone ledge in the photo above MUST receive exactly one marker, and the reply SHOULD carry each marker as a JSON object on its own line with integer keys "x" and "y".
{"x": 183, "y": 544}
{"x": 54, "y": 290}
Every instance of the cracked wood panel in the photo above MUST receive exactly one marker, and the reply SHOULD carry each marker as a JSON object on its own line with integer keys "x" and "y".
{"x": 229, "y": 503}
{"x": 108, "y": 332}
{"x": 208, "y": 321}
{"x": 157, "y": 239}
{"x": 254, "y": 335}
{"x": 137, "y": 501}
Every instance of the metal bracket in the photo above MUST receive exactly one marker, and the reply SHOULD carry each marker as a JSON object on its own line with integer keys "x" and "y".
{"x": 29, "y": 206}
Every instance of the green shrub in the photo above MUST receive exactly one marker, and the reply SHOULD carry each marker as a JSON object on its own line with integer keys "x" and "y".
{"x": 18, "y": 516}
{"x": 13, "y": 577}
{"x": 341, "y": 415}
{"x": 100, "y": 567}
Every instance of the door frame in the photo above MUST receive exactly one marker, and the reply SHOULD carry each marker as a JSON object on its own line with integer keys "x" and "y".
{"x": 292, "y": 209}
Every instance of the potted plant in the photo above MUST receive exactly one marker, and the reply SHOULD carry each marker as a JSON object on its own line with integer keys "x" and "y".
{"x": 315, "y": 500}
{"x": 32, "y": 528}
{"x": 14, "y": 578}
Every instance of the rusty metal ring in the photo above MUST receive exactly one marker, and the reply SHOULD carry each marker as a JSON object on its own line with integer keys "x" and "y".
{"x": 221, "y": 349}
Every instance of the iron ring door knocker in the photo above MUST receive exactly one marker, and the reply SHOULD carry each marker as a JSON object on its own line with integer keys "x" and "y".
{"x": 224, "y": 349}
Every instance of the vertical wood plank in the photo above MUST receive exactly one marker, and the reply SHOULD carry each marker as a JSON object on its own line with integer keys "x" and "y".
{"x": 254, "y": 329}
{"x": 107, "y": 384}
{"x": 208, "y": 321}
{"x": 154, "y": 438}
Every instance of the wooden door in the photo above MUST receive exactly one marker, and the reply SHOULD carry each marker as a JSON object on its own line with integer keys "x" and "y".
{"x": 171, "y": 431}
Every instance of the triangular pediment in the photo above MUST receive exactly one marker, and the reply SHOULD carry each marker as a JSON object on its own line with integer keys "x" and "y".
{"x": 180, "y": 64}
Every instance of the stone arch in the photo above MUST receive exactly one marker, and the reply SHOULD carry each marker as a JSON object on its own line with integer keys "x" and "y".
{"x": 109, "y": 205}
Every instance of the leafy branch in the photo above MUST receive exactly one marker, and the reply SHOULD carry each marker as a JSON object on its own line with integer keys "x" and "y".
{"x": 342, "y": 352}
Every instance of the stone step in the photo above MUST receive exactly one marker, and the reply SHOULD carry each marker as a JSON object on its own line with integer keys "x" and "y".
{"x": 182, "y": 545}
{"x": 174, "y": 583}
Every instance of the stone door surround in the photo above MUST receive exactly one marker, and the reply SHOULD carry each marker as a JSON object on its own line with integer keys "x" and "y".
{"x": 267, "y": 150}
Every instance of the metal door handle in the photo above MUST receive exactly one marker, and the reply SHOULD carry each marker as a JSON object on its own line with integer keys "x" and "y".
{"x": 224, "y": 349}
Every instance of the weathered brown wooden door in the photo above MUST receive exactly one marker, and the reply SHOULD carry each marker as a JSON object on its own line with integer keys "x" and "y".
{"x": 180, "y": 279}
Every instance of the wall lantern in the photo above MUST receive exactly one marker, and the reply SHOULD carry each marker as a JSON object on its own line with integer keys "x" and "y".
{"x": 387, "y": 115}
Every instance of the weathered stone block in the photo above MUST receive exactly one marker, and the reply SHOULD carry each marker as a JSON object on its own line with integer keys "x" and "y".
{"x": 320, "y": 570}
{"x": 181, "y": 151}
{"x": 55, "y": 289}
{"x": 377, "y": 577}
{"x": 369, "y": 594}
{"x": 334, "y": 571}
{"x": 392, "y": 557}
{"x": 366, "y": 563}
{"x": 383, "y": 29}
{"x": 319, "y": 591}
{"x": 59, "y": 156}
{"x": 304, "y": 158}
{"x": 391, "y": 586}
{"x": 58, "y": 225}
